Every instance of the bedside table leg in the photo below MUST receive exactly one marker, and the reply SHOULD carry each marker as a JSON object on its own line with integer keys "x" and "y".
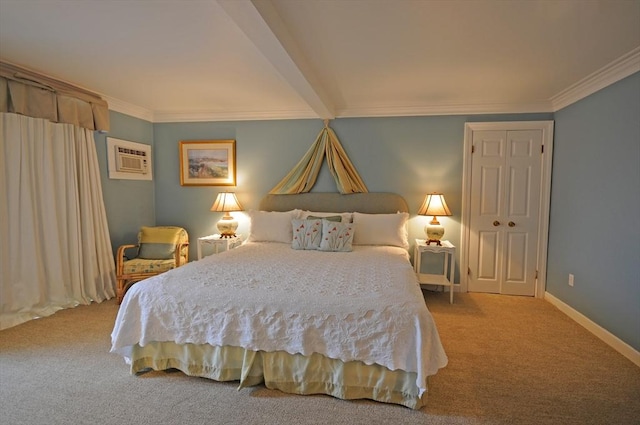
{"x": 452, "y": 276}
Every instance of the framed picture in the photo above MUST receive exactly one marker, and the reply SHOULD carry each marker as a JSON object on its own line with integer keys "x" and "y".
{"x": 208, "y": 163}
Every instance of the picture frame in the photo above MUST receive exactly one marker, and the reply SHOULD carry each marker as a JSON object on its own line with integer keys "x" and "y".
{"x": 207, "y": 162}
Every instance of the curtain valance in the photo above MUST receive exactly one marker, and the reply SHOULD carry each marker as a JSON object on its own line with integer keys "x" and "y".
{"x": 27, "y": 93}
{"x": 303, "y": 176}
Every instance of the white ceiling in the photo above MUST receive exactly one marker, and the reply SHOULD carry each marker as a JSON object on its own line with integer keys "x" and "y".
{"x": 194, "y": 60}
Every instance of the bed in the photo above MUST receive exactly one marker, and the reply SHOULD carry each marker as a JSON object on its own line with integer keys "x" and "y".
{"x": 321, "y": 299}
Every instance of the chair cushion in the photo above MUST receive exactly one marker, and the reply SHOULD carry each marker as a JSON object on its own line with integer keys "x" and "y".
{"x": 158, "y": 243}
{"x": 138, "y": 265}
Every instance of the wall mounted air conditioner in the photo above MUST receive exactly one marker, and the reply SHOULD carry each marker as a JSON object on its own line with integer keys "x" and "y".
{"x": 128, "y": 160}
{"x": 131, "y": 160}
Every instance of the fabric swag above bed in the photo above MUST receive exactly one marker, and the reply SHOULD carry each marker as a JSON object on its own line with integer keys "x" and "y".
{"x": 304, "y": 175}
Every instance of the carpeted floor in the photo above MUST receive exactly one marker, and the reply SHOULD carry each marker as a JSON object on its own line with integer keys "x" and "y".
{"x": 512, "y": 360}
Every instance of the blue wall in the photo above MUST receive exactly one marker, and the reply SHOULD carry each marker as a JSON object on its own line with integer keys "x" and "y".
{"x": 410, "y": 156}
{"x": 595, "y": 208}
{"x": 129, "y": 203}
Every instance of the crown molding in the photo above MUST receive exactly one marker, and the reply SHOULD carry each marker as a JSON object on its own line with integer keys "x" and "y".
{"x": 130, "y": 109}
{"x": 200, "y": 116}
{"x": 432, "y": 110}
{"x": 615, "y": 71}
{"x": 379, "y": 111}
{"x": 382, "y": 111}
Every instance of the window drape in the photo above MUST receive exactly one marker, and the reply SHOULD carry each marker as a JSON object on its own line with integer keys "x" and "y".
{"x": 304, "y": 175}
{"x": 55, "y": 251}
{"x": 25, "y": 92}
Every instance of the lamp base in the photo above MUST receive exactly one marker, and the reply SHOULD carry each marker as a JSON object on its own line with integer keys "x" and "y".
{"x": 434, "y": 233}
{"x": 227, "y": 227}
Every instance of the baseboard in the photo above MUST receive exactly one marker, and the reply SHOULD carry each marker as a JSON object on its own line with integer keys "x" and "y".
{"x": 616, "y": 343}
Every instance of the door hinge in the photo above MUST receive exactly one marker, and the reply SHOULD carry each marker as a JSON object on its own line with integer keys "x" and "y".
{"x": 542, "y": 148}
{"x": 473, "y": 148}
{"x": 536, "y": 277}
{"x": 468, "y": 271}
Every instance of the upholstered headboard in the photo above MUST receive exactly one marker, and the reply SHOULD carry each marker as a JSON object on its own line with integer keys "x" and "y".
{"x": 370, "y": 203}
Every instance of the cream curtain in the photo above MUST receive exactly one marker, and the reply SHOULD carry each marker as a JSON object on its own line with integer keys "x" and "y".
{"x": 55, "y": 251}
{"x": 304, "y": 175}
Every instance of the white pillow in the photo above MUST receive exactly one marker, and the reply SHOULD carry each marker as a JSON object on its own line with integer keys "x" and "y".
{"x": 271, "y": 226}
{"x": 345, "y": 216}
{"x": 381, "y": 229}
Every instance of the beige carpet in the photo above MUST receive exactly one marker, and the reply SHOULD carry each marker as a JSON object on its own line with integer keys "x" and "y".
{"x": 512, "y": 360}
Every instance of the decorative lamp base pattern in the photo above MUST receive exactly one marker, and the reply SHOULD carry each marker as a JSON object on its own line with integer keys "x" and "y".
{"x": 227, "y": 227}
{"x": 434, "y": 233}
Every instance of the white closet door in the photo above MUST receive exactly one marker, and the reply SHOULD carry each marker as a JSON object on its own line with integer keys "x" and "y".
{"x": 504, "y": 203}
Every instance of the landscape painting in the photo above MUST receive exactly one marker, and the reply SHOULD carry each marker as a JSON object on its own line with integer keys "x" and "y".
{"x": 207, "y": 163}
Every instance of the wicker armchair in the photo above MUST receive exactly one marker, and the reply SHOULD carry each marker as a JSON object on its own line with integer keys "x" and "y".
{"x": 159, "y": 249}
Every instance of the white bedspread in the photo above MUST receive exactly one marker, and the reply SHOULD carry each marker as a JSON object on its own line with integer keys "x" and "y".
{"x": 363, "y": 305}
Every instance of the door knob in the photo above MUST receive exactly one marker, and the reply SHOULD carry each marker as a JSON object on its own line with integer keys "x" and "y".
{"x": 511, "y": 224}
{"x": 496, "y": 223}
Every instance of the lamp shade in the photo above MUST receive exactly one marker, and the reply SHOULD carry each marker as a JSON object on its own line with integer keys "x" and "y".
{"x": 225, "y": 202}
{"x": 434, "y": 204}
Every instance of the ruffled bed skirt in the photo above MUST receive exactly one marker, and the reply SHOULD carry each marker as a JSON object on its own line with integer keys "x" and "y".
{"x": 289, "y": 373}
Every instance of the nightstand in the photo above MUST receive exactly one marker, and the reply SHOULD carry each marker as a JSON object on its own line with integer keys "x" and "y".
{"x": 217, "y": 242}
{"x": 448, "y": 273}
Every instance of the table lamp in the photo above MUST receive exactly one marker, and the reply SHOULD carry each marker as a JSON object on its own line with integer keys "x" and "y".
{"x": 226, "y": 202}
{"x": 434, "y": 205}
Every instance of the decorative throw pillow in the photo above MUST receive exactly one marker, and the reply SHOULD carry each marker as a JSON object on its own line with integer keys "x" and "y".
{"x": 381, "y": 229}
{"x": 158, "y": 243}
{"x": 271, "y": 226}
{"x": 337, "y": 236}
{"x": 306, "y": 234}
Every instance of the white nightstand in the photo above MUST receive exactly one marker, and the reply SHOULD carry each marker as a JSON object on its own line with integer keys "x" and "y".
{"x": 448, "y": 273}
{"x": 218, "y": 242}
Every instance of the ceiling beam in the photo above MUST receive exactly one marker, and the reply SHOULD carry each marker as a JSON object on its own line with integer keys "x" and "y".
{"x": 260, "y": 22}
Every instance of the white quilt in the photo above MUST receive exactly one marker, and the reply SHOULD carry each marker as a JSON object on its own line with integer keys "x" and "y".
{"x": 362, "y": 305}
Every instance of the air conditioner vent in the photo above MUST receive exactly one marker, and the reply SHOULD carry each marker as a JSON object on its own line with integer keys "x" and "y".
{"x": 131, "y": 160}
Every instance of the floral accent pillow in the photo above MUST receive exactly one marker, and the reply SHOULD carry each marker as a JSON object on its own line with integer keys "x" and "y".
{"x": 337, "y": 237}
{"x": 306, "y": 234}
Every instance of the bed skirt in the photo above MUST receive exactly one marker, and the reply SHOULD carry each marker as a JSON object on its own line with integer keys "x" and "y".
{"x": 289, "y": 373}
